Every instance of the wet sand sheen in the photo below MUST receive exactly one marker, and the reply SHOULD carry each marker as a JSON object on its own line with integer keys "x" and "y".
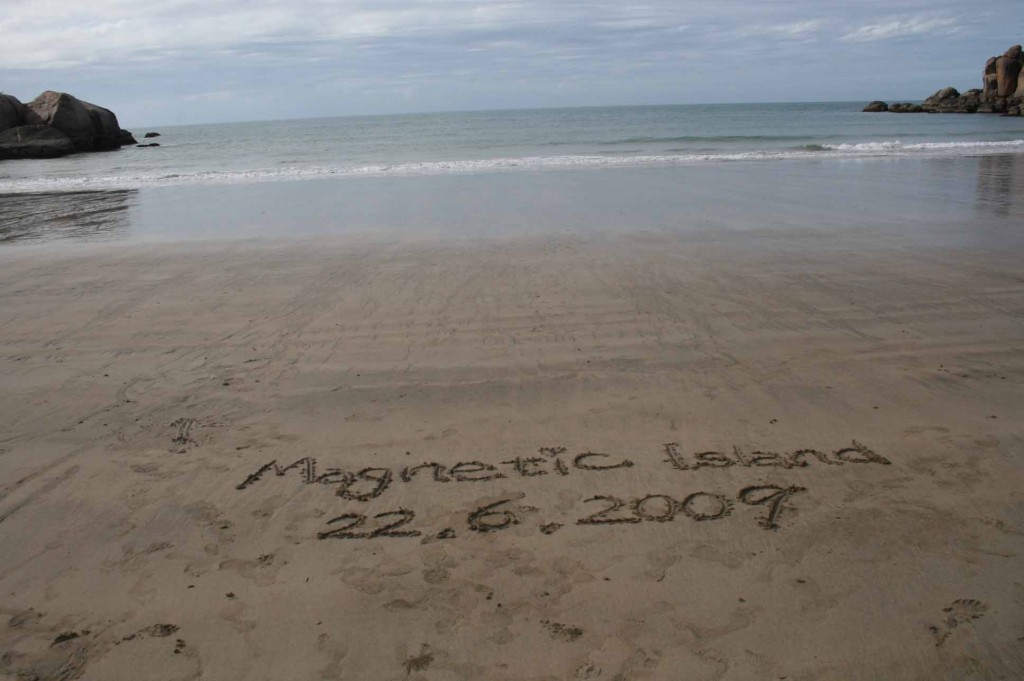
{"x": 637, "y": 457}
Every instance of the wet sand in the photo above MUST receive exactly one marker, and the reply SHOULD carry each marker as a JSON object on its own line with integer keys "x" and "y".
{"x": 777, "y": 455}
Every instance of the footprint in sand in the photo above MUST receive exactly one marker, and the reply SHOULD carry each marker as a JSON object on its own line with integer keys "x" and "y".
{"x": 960, "y": 611}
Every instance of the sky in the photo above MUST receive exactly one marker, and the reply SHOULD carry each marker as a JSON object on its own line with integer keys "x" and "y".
{"x": 201, "y": 61}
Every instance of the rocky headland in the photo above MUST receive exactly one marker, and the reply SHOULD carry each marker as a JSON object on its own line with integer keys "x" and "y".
{"x": 1001, "y": 92}
{"x": 56, "y": 124}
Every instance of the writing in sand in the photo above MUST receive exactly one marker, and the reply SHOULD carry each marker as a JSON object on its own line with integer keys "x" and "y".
{"x": 367, "y": 483}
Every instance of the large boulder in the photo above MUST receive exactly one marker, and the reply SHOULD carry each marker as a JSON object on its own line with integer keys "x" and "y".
{"x": 90, "y": 127}
{"x": 126, "y": 138}
{"x": 34, "y": 141}
{"x": 969, "y": 101}
{"x": 1007, "y": 70}
{"x": 943, "y": 101}
{"x": 989, "y": 83}
{"x": 65, "y": 113}
{"x": 106, "y": 131}
{"x": 948, "y": 100}
{"x": 876, "y": 106}
{"x": 12, "y": 112}
{"x": 906, "y": 107}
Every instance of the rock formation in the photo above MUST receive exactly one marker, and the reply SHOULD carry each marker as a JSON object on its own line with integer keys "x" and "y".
{"x": 34, "y": 141}
{"x": 12, "y": 112}
{"x": 1002, "y": 91}
{"x": 55, "y": 124}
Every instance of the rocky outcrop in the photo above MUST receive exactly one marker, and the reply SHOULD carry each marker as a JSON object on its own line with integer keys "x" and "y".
{"x": 106, "y": 131}
{"x": 12, "y": 112}
{"x": 1008, "y": 68}
{"x": 34, "y": 141}
{"x": 65, "y": 113}
{"x": 149, "y": 135}
{"x": 1002, "y": 91}
{"x": 88, "y": 127}
{"x": 949, "y": 100}
{"x": 906, "y": 107}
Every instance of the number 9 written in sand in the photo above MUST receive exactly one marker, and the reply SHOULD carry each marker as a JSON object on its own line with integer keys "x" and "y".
{"x": 772, "y": 502}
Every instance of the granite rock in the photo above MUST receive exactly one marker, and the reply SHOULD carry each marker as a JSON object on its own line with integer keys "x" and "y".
{"x": 12, "y": 112}
{"x": 34, "y": 141}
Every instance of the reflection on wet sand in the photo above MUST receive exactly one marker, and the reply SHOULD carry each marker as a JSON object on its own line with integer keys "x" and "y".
{"x": 75, "y": 215}
{"x": 1000, "y": 185}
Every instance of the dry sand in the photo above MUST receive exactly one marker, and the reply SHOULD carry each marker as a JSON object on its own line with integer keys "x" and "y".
{"x": 144, "y": 389}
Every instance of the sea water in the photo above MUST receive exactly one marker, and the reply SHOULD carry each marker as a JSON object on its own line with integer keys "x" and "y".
{"x": 660, "y": 167}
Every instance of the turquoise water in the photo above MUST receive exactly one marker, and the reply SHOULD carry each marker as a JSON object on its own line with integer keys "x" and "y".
{"x": 678, "y": 168}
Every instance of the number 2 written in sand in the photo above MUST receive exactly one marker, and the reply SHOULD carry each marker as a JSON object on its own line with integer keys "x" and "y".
{"x": 503, "y": 514}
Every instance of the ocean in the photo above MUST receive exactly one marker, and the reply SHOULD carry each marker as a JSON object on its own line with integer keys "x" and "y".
{"x": 493, "y": 172}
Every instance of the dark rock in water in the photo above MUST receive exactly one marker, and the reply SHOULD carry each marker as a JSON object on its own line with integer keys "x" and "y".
{"x": 65, "y": 113}
{"x": 151, "y": 144}
{"x": 970, "y": 101}
{"x": 993, "y": 105}
{"x": 949, "y": 100}
{"x": 876, "y": 106}
{"x": 151, "y": 134}
{"x": 106, "y": 133}
{"x": 90, "y": 127}
{"x": 1002, "y": 91}
{"x": 34, "y": 141}
{"x": 945, "y": 94}
{"x": 12, "y": 112}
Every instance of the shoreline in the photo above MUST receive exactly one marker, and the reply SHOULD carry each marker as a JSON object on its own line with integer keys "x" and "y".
{"x": 957, "y": 201}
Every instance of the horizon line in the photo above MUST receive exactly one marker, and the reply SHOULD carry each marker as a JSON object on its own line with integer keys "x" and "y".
{"x": 439, "y": 112}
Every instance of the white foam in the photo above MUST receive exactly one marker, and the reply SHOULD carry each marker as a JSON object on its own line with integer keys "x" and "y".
{"x": 285, "y": 173}
{"x": 896, "y": 145}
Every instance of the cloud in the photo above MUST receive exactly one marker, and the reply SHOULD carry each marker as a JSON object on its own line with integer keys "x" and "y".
{"x": 903, "y": 28}
{"x": 48, "y": 34}
{"x": 324, "y": 57}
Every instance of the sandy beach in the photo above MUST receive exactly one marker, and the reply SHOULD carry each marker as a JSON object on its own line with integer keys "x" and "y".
{"x": 628, "y": 457}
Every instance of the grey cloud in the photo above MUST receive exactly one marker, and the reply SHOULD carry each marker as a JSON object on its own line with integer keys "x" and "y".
{"x": 156, "y": 58}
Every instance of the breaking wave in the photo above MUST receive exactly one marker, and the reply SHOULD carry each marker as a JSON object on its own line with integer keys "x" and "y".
{"x": 276, "y": 173}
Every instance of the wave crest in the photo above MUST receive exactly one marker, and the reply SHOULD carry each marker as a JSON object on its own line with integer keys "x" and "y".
{"x": 284, "y": 173}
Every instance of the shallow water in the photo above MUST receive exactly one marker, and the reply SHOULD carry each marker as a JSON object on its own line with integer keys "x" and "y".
{"x": 502, "y": 141}
{"x": 961, "y": 200}
{"x": 584, "y": 171}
